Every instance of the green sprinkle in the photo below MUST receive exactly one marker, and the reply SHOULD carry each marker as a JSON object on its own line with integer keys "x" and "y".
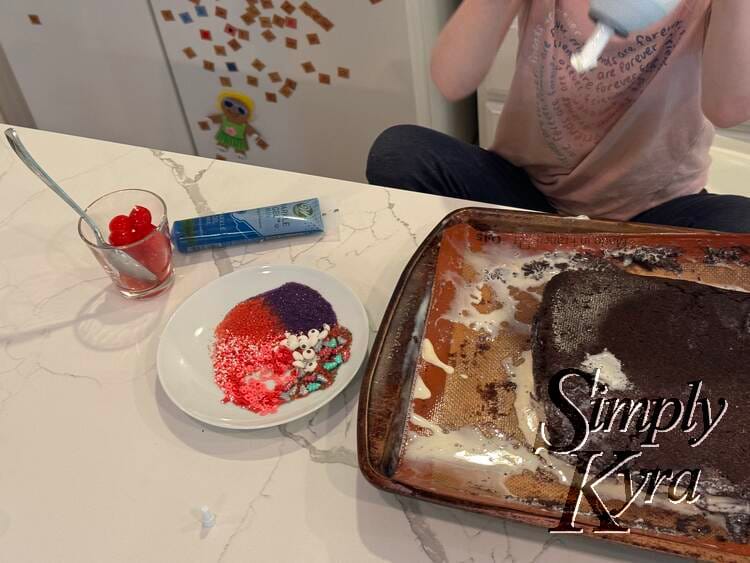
{"x": 313, "y": 387}
{"x": 338, "y": 359}
{"x": 330, "y": 366}
{"x": 331, "y": 343}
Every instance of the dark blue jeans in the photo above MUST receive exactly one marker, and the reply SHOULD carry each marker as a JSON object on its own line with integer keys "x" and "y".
{"x": 423, "y": 160}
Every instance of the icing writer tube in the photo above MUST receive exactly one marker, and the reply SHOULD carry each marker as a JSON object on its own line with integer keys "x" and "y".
{"x": 252, "y": 225}
{"x": 621, "y": 17}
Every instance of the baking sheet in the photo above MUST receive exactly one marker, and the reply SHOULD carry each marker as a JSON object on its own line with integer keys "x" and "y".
{"x": 386, "y": 393}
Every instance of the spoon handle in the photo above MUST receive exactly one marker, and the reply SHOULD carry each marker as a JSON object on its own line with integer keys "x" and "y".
{"x": 28, "y": 160}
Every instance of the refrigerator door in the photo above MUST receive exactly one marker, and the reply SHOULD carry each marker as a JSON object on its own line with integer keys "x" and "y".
{"x": 324, "y": 77}
{"x": 95, "y": 69}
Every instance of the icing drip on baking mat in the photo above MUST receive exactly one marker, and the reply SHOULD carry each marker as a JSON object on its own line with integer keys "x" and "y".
{"x": 502, "y": 459}
{"x": 506, "y": 273}
{"x": 421, "y": 391}
{"x": 430, "y": 356}
{"x": 422, "y": 422}
{"x": 526, "y": 407}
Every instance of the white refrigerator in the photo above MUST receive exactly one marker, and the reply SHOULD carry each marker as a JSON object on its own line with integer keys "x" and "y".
{"x": 324, "y": 77}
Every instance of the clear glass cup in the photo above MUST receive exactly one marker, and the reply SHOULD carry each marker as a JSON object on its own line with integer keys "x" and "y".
{"x": 154, "y": 251}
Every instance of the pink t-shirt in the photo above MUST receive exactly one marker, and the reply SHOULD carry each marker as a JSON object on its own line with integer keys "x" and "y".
{"x": 621, "y": 138}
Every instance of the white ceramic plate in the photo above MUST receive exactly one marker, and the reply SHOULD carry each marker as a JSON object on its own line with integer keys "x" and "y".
{"x": 184, "y": 355}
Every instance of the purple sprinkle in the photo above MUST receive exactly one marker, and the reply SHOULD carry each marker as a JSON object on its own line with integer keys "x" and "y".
{"x": 300, "y": 307}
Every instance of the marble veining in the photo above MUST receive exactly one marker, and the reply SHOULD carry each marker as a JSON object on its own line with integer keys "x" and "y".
{"x": 98, "y": 464}
{"x": 193, "y": 190}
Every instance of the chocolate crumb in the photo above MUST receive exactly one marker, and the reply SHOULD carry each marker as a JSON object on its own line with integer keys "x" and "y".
{"x": 590, "y": 262}
{"x": 483, "y": 345}
{"x": 508, "y": 386}
{"x": 691, "y": 525}
{"x": 650, "y": 258}
{"x": 488, "y": 392}
{"x": 494, "y": 275}
{"x": 738, "y": 526}
{"x": 535, "y": 269}
{"x": 731, "y": 255}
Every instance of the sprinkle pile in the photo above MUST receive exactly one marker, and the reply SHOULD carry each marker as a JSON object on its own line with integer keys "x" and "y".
{"x": 278, "y": 346}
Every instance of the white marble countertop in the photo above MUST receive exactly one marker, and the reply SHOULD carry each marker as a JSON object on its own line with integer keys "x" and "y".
{"x": 96, "y": 463}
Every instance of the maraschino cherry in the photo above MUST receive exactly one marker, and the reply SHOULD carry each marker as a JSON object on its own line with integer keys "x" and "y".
{"x": 127, "y": 229}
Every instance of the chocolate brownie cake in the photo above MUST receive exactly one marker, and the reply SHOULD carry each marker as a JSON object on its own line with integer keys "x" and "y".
{"x": 663, "y": 334}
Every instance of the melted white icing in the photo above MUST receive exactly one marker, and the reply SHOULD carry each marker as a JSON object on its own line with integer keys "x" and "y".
{"x": 462, "y": 309}
{"x": 499, "y": 267}
{"x": 421, "y": 391}
{"x": 430, "y": 356}
{"x": 468, "y": 445}
{"x": 424, "y": 423}
{"x": 527, "y": 409}
{"x": 475, "y": 297}
{"x": 610, "y": 370}
{"x": 504, "y": 458}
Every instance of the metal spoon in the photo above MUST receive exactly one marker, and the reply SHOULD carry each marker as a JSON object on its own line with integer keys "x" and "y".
{"x": 122, "y": 261}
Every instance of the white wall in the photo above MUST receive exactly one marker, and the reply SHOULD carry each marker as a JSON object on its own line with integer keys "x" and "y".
{"x": 494, "y": 90}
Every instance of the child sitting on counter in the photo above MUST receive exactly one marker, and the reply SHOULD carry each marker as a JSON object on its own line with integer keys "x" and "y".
{"x": 628, "y": 140}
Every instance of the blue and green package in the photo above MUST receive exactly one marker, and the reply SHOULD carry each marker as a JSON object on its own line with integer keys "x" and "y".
{"x": 253, "y": 225}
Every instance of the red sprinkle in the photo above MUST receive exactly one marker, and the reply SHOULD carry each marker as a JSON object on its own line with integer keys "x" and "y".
{"x": 252, "y": 319}
{"x": 250, "y": 372}
{"x": 254, "y": 370}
